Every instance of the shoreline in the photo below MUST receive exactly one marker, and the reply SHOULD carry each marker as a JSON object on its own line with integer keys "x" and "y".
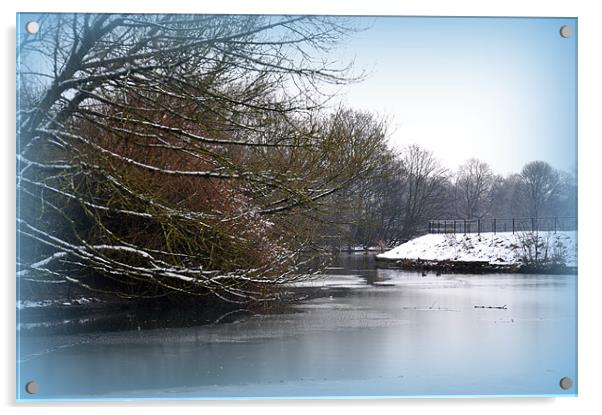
{"x": 470, "y": 267}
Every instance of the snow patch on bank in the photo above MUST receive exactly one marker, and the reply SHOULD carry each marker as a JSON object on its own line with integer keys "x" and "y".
{"x": 499, "y": 248}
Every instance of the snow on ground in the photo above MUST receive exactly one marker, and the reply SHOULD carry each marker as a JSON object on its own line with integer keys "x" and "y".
{"x": 499, "y": 248}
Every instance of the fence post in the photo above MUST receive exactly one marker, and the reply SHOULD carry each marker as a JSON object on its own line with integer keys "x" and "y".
{"x": 478, "y": 226}
{"x": 532, "y": 224}
{"x": 454, "y": 226}
{"x": 494, "y": 226}
{"x": 464, "y": 226}
{"x": 512, "y": 226}
{"x": 555, "y": 220}
{"x": 438, "y": 226}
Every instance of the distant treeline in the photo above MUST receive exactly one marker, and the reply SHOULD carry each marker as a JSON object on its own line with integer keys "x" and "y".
{"x": 414, "y": 188}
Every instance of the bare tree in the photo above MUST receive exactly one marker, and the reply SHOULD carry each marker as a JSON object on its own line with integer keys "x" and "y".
{"x": 566, "y": 203}
{"x": 506, "y": 197}
{"x": 540, "y": 187}
{"x": 376, "y": 202}
{"x": 425, "y": 188}
{"x": 473, "y": 184}
{"x": 177, "y": 153}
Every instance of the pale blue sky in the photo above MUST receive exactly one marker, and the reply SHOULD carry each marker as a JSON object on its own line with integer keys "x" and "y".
{"x": 499, "y": 89}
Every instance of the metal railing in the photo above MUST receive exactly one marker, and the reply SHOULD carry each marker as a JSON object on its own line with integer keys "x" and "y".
{"x": 548, "y": 224}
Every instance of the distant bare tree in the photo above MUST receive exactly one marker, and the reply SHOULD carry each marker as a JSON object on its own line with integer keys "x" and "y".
{"x": 376, "y": 203}
{"x": 506, "y": 199}
{"x": 566, "y": 204}
{"x": 473, "y": 183}
{"x": 540, "y": 187}
{"x": 425, "y": 190}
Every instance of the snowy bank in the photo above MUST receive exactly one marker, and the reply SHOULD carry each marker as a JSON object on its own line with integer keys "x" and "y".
{"x": 500, "y": 249}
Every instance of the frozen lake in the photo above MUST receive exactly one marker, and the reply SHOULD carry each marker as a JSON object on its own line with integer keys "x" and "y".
{"x": 368, "y": 332}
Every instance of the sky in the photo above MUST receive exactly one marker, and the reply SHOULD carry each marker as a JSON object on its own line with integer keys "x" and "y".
{"x": 502, "y": 90}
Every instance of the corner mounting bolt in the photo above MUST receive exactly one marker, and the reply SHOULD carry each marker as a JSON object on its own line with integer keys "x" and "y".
{"x": 32, "y": 27}
{"x": 565, "y": 31}
{"x": 31, "y": 388}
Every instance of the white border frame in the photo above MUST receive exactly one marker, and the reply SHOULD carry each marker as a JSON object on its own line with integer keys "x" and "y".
{"x": 590, "y": 134}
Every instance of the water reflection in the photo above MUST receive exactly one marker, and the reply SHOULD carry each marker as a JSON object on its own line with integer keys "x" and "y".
{"x": 366, "y": 331}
